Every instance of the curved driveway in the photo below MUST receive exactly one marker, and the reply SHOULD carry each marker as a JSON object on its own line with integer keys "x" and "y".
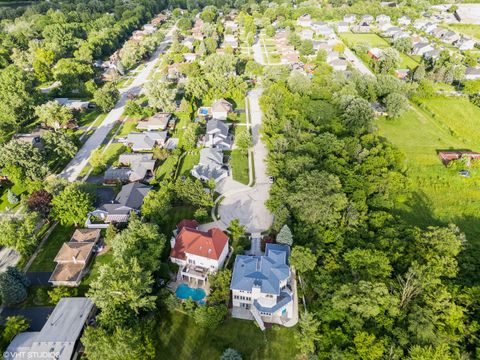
{"x": 248, "y": 203}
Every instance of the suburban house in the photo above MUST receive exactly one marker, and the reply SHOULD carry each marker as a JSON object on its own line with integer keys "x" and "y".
{"x": 404, "y": 20}
{"x": 391, "y": 31}
{"x": 230, "y": 40}
{"x": 262, "y": 287}
{"x": 432, "y": 54}
{"x": 305, "y": 20}
{"x": 306, "y": 34}
{"x": 217, "y": 135}
{"x": 189, "y": 57}
{"x": 59, "y": 337}
{"x": 368, "y": 19}
{"x": 33, "y": 138}
{"x": 198, "y": 253}
{"x": 429, "y": 27}
{"x": 129, "y": 200}
{"x": 419, "y": 24}
{"x": 447, "y": 156}
{"x": 402, "y": 74}
{"x": 375, "y": 53}
{"x": 229, "y": 24}
{"x": 74, "y": 105}
{"x": 210, "y": 166}
{"x": 382, "y": 19}
{"x": 450, "y": 37}
{"x": 363, "y": 27}
{"x": 422, "y": 48}
{"x": 339, "y": 64}
{"x": 146, "y": 141}
{"x": 220, "y": 109}
{"x": 349, "y": 18}
{"x": 465, "y": 44}
{"x": 188, "y": 42}
{"x": 472, "y": 73}
{"x": 132, "y": 167}
{"x": 74, "y": 257}
{"x": 159, "y": 121}
{"x": 343, "y": 26}
{"x": 400, "y": 35}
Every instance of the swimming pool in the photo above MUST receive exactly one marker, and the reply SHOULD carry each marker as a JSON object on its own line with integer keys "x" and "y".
{"x": 184, "y": 292}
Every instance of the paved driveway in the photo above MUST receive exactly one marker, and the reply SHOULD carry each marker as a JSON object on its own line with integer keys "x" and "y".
{"x": 36, "y": 316}
{"x": 76, "y": 165}
{"x": 248, "y": 203}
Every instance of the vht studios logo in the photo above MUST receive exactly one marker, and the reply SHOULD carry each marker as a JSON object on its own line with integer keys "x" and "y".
{"x": 31, "y": 355}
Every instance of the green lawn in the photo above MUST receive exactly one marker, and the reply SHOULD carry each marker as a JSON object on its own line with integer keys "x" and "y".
{"x": 44, "y": 260}
{"x": 178, "y": 337}
{"x": 188, "y": 162}
{"x": 166, "y": 168}
{"x": 128, "y": 126}
{"x": 175, "y": 215}
{"x": 467, "y": 29}
{"x": 374, "y": 40}
{"x": 113, "y": 151}
{"x": 408, "y": 62}
{"x": 18, "y": 189}
{"x": 440, "y": 194}
{"x": 239, "y": 163}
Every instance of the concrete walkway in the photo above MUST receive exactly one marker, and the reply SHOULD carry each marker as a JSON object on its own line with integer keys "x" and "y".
{"x": 76, "y": 165}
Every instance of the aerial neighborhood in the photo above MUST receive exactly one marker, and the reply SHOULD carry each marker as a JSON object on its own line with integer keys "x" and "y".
{"x": 239, "y": 180}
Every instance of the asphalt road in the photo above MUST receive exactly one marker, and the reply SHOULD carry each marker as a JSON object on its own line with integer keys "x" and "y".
{"x": 76, "y": 165}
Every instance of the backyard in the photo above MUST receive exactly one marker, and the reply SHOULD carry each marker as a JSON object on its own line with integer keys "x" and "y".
{"x": 467, "y": 29}
{"x": 17, "y": 189}
{"x": 178, "y": 337}
{"x": 44, "y": 260}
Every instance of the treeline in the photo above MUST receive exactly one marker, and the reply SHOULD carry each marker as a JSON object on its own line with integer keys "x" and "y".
{"x": 375, "y": 286}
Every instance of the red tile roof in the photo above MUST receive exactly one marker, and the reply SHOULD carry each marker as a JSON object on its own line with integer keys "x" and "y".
{"x": 192, "y": 224}
{"x": 208, "y": 244}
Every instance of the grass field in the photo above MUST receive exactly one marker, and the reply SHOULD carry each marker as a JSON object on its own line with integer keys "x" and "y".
{"x": 467, "y": 29}
{"x": 373, "y": 40}
{"x": 17, "y": 189}
{"x": 440, "y": 194}
{"x": 239, "y": 163}
{"x": 175, "y": 215}
{"x": 44, "y": 259}
{"x": 188, "y": 162}
{"x": 178, "y": 337}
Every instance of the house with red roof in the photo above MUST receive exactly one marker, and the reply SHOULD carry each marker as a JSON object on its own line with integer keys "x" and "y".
{"x": 197, "y": 252}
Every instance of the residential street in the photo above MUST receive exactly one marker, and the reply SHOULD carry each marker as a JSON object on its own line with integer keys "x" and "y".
{"x": 248, "y": 204}
{"x": 76, "y": 165}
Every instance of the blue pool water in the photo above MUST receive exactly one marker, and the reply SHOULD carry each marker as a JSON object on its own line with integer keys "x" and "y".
{"x": 184, "y": 292}
{"x": 204, "y": 111}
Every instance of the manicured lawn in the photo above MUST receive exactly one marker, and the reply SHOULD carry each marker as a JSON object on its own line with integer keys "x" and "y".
{"x": 467, "y": 29}
{"x": 113, "y": 151}
{"x": 440, "y": 195}
{"x": 178, "y": 337}
{"x": 18, "y": 189}
{"x": 127, "y": 127}
{"x": 44, "y": 259}
{"x": 175, "y": 215}
{"x": 167, "y": 167}
{"x": 372, "y": 39}
{"x": 188, "y": 162}
{"x": 408, "y": 62}
{"x": 239, "y": 163}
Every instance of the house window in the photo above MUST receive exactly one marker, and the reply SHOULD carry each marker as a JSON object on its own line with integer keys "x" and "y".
{"x": 190, "y": 261}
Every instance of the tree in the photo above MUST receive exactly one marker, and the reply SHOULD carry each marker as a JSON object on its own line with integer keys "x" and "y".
{"x": 303, "y": 259}
{"x": 299, "y": 82}
{"x": 106, "y": 97}
{"x": 13, "y": 286}
{"x": 192, "y": 192}
{"x": 60, "y": 147}
{"x": 72, "y": 73}
{"x": 122, "y": 290}
{"x": 12, "y": 197}
{"x": 40, "y": 202}
{"x": 97, "y": 160}
{"x": 17, "y": 98}
{"x": 307, "y": 333}
{"x": 389, "y": 60}
{"x": 368, "y": 264}
{"x": 59, "y": 292}
{"x": 358, "y": 116}
{"x": 160, "y": 95}
{"x": 21, "y": 161}
{"x": 285, "y": 236}
{"x": 129, "y": 343}
{"x": 368, "y": 347}
{"x": 220, "y": 287}
{"x": 42, "y": 64}
{"x": 231, "y": 354}
{"x": 54, "y": 115}
{"x": 19, "y": 233}
{"x": 157, "y": 204}
{"x": 196, "y": 87}
{"x": 403, "y": 45}
{"x": 306, "y": 47}
{"x": 396, "y": 104}
{"x": 244, "y": 141}
{"x": 471, "y": 87}
{"x": 72, "y": 205}
{"x": 419, "y": 73}
{"x": 141, "y": 241}
{"x": 210, "y": 317}
{"x": 236, "y": 230}
{"x": 13, "y": 326}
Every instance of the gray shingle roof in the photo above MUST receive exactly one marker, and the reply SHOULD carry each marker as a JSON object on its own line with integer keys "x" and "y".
{"x": 265, "y": 271}
{"x": 129, "y": 198}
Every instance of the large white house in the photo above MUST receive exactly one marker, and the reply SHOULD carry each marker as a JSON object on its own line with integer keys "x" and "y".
{"x": 262, "y": 287}
{"x": 198, "y": 253}
{"x": 220, "y": 109}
